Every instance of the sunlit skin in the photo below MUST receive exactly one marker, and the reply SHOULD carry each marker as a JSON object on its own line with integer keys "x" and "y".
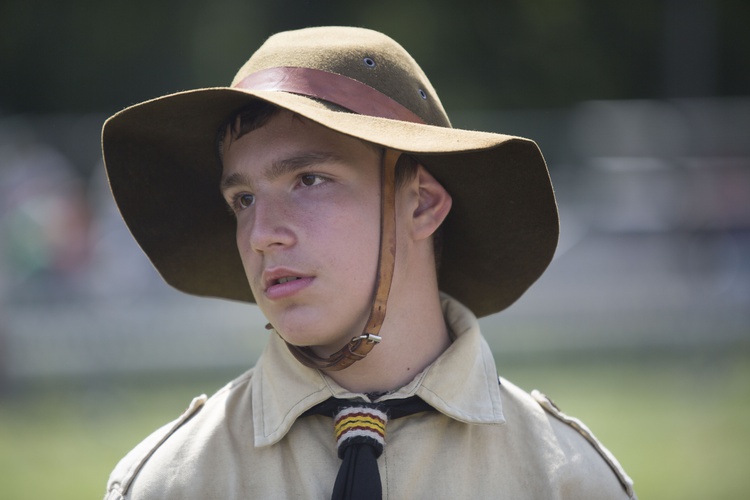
{"x": 307, "y": 204}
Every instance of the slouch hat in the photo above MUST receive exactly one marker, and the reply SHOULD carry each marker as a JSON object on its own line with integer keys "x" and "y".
{"x": 164, "y": 168}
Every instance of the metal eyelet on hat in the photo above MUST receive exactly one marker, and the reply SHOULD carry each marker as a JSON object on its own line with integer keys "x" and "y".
{"x": 369, "y": 62}
{"x": 422, "y": 94}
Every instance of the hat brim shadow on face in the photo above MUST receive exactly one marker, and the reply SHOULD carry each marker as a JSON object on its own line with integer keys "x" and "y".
{"x": 164, "y": 170}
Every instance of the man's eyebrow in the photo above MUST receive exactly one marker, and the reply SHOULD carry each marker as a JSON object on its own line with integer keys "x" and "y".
{"x": 281, "y": 167}
{"x": 297, "y": 163}
{"x": 235, "y": 179}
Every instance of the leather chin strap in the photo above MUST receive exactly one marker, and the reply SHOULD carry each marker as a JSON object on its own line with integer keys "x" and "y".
{"x": 358, "y": 347}
{"x": 363, "y": 99}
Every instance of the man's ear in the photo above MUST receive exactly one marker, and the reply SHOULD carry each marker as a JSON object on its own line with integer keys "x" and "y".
{"x": 433, "y": 205}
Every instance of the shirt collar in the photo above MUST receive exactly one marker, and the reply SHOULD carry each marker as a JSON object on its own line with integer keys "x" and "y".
{"x": 462, "y": 383}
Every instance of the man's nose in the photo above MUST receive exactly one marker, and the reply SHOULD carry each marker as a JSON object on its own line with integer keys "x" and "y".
{"x": 271, "y": 225}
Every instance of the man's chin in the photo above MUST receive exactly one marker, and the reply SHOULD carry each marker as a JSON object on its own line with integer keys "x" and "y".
{"x": 313, "y": 328}
{"x": 322, "y": 345}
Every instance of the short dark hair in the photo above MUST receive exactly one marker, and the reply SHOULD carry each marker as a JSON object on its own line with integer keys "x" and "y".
{"x": 258, "y": 113}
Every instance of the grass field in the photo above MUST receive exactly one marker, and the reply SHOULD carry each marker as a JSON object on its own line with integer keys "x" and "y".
{"x": 678, "y": 424}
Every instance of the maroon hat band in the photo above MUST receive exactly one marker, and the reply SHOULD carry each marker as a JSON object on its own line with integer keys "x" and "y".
{"x": 337, "y": 89}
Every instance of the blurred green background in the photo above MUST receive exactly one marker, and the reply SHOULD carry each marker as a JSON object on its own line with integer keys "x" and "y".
{"x": 640, "y": 327}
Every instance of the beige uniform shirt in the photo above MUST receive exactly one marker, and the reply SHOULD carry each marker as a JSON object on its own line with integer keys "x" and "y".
{"x": 486, "y": 439}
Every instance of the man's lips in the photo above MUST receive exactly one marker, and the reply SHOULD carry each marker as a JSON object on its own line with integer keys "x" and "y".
{"x": 279, "y": 276}
{"x": 280, "y": 283}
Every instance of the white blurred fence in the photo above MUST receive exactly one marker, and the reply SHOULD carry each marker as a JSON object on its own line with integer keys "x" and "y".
{"x": 655, "y": 249}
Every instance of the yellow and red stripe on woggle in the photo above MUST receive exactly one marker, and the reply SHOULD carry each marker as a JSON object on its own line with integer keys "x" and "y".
{"x": 360, "y": 421}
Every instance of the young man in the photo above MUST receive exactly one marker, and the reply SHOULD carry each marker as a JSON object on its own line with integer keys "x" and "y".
{"x": 371, "y": 234}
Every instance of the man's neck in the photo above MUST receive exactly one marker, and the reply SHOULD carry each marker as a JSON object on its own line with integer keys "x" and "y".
{"x": 413, "y": 335}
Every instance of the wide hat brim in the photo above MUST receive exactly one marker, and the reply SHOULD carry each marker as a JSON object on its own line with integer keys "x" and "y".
{"x": 163, "y": 166}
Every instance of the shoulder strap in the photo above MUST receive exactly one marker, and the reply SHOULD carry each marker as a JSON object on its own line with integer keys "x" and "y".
{"x": 581, "y": 428}
{"x": 129, "y": 467}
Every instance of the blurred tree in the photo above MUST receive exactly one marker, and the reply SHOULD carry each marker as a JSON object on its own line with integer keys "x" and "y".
{"x": 86, "y": 55}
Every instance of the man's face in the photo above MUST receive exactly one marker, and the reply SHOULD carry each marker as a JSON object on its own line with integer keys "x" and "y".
{"x": 307, "y": 202}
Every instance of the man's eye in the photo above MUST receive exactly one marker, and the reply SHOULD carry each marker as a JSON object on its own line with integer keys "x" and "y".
{"x": 310, "y": 179}
{"x": 244, "y": 200}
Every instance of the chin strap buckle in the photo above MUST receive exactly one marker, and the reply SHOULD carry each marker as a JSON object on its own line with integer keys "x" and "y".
{"x": 369, "y": 337}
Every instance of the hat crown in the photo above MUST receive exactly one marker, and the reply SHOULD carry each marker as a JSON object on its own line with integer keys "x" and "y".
{"x": 357, "y": 53}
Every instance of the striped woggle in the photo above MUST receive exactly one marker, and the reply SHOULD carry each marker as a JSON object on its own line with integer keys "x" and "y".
{"x": 361, "y": 424}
